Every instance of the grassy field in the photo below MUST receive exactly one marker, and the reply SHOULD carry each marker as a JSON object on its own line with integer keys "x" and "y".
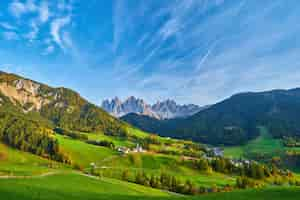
{"x": 14, "y": 162}
{"x": 67, "y": 184}
{"x": 72, "y": 186}
{"x": 158, "y": 163}
{"x": 78, "y": 187}
{"x": 116, "y": 141}
{"x": 17, "y": 163}
{"x": 137, "y": 132}
{"x": 279, "y": 193}
{"x": 82, "y": 153}
{"x": 264, "y": 144}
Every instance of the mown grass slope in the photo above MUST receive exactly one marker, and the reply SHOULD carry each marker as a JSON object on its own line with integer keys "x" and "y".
{"x": 78, "y": 187}
{"x": 73, "y": 186}
{"x": 82, "y": 153}
{"x": 17, "y": 163}
{"x": 264, "y": 144}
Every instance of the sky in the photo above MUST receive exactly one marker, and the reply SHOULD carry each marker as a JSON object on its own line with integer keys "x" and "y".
{"x": 192, "y": 51}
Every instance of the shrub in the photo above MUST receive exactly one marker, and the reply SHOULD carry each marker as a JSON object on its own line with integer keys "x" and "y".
{"x": 103, "y": 143}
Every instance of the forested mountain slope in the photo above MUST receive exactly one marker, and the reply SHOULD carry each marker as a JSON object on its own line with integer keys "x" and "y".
{"x": 63, "y": 107}
{"x": 234, "y": 120}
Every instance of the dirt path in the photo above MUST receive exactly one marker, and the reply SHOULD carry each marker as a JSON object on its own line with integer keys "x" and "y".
{"x": 29, "y": 177}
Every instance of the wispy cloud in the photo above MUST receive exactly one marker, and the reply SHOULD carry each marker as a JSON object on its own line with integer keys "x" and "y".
{"x": 7, "y": 26}
{"x": 212, "y": 44}
{"x": 197, "y": 51}
{"x": 31, "y": 36}
{"x": 17, "y": 8}
{"x": 56, "y": 31}
{"x": 33, "y": 16}
{"x": 10, "y": 35}
{"x": 44, "y": 12}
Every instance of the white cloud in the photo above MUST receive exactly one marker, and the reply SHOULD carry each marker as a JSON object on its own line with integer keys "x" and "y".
{"x": 18, "y": 8}
{"x": 205, "y": 57}
{"x": 34, "y": 31}
{"x": 56, "y": 33}
{"x": 170, "y": 28}
{"x": 10, "y": 35}
{"x": 7, "y": 26}
{"x": 67, "y": 40}
{"x": 44, "y": 12}
{"x": 64, "y": 6}
{"x": 41, "y": 11}
{"x": 201, "y": 53}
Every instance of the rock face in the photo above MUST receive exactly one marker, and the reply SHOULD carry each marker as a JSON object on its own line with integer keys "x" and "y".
{"x": 30, "y": 95}
{"x": 24, "y": 92}
{"x": 169, "y": 109}
{"x": 161, "y": 110}
{"x": 60, "y": 107}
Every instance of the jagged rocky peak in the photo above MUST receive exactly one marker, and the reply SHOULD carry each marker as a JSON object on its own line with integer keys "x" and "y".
{"x": 170, "y": 109}
{"x": 131, "y": 105}
{"x": 161, "y": 110}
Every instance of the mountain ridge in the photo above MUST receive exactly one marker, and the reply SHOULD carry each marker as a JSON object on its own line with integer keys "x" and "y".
{"x": 167, "y": 109}
{"x": 234, "y": 120}
{"x": 61, "y": 106}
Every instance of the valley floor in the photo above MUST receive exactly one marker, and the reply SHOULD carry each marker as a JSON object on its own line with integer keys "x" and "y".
{"x": 24, "y": 176}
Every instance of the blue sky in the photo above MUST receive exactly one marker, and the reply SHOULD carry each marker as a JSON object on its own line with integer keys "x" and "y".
{"x": 193, "y": 51}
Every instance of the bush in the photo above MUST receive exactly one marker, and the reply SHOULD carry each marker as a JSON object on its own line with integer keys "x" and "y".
{"x": 103, "y": 143}
{"x": 245, "y": 182}
{"x": 74, "y": 135}
{"x": 125, "y": 175}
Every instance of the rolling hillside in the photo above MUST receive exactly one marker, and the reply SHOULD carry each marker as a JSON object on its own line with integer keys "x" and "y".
{"x": 78, "y": 187}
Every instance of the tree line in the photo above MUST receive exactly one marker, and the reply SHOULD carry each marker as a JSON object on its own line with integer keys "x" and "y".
{"x": 28, "y": 135}
{"x": 169, "y": 182}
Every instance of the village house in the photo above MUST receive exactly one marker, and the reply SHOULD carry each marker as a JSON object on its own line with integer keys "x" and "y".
{"x": 218, "y": 152}
{"x": 125, "y": 150}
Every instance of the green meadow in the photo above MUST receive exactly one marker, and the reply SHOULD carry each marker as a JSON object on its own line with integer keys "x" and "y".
{"x": 18, "y": 163}
{"x": 263, "y": 145}
{"x": 26, "y": 176}
{"x": 72, "y": 186}
{"x": 77, "y": 187}
{"x": 82, "y": 153}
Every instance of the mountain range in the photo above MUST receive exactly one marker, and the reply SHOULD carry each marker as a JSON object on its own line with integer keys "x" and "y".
{"x": 234, "y": 120}
{"x": 168, "y": 109}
